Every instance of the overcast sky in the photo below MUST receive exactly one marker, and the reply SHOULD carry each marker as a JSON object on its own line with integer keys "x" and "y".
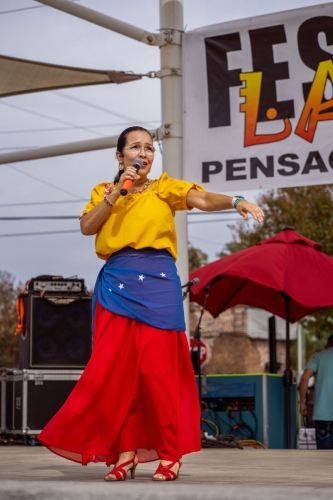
{"x": 31, "y": 31}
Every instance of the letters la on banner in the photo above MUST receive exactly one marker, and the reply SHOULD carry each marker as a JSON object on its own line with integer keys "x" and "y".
{"x": 258, "y": 101}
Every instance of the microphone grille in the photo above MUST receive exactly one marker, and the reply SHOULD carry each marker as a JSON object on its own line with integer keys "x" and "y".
{"x": 196, "y": 281}
{"x": 137, "y": 163}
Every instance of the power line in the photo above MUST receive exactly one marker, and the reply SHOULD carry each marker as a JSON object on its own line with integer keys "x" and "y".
{"x": 41, "y": 217}
{"x": 81, "y": 101}
{"x": 59, "y": 129}
{"x": 42, "y": 233}
{"x": 20, "y": 10}
{"x": 57, "y": 202}
{"x": 50, "y": 184}
{"x": 95, "y": 106}
{"x": 61, "y": 217}
{"x": 72, "y": 125}
{"x": 208, "y": 221}
{"x": 204, "y": 240}
{"x": 41, "y": 115}
{"x": 221, "y": 212}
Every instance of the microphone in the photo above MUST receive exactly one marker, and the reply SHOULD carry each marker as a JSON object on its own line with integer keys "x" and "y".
{"x": 195, "y": 281}
{"x": 137, "y": 164}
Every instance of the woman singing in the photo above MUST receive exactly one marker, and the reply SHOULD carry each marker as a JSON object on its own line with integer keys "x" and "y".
{"x": 137, "y": 399}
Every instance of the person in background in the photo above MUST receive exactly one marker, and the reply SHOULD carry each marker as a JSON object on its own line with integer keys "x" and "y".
{"x": 321, "y": 367}
{"x": 137, "y": 399}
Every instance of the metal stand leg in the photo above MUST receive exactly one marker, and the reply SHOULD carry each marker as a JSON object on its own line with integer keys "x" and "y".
{"x": 197, "y": 340}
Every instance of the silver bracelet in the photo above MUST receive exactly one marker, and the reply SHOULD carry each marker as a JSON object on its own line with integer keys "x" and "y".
{"x": 108, "y": 202}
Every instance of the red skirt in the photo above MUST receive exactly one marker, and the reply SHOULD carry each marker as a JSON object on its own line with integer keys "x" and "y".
{"x": 138, "y": 392}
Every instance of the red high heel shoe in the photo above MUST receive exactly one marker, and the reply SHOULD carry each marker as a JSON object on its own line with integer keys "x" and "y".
{"x": 169, "y": 475}
{"x": 120, "y": 473}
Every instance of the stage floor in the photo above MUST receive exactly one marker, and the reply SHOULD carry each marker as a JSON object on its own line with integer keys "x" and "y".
{"x": 35, "y": 473}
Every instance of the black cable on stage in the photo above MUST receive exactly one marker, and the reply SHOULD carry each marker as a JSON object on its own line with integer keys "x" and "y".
{"x": 256, "y": 421}
{"x": 222, "y": 441}
{"x": 241, "y": 426}
{"x": 220, "y": 419}
{"x": 236, "y": 423}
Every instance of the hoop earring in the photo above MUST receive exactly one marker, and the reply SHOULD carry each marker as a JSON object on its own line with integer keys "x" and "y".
{"x": 118, "y": 174}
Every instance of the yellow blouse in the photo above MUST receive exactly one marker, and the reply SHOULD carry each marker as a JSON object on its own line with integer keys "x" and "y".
{"x": 144, "y": 219}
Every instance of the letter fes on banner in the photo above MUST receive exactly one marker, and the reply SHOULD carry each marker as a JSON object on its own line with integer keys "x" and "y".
{"x": 258, "y": 101}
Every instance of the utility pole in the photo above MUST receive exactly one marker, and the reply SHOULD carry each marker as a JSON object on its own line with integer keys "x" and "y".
{"x": 171, "y": 29}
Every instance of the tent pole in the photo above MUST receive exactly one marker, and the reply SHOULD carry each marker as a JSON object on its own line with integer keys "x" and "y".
{"x": 103, "y": 20}
{"x": 288, "y": 373}
{"x": 171, "y": 131}
{"x": 67, "y": 148}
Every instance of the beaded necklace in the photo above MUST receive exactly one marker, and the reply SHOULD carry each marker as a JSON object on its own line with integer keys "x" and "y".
{"x": 145, "y": 186}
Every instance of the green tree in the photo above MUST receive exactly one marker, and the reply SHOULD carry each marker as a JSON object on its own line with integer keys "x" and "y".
{"x": 310, "y": 211}
{"x": 318, "y": 327}
{"x": 8, "y": 318}
{"x": 196, "y": 257}
{"x": 307, "y": 209}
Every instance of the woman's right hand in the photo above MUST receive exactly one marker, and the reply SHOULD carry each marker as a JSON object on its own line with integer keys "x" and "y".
{"x": 129, "y": 173}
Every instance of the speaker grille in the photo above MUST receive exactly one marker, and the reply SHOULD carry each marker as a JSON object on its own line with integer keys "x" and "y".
{"x": 60, "y": 332}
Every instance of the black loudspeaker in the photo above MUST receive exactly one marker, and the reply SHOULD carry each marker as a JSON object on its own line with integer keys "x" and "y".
{"x": 58, "y": 332}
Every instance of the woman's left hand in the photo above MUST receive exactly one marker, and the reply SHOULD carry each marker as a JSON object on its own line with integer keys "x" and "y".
{"x": 245, "y": 207}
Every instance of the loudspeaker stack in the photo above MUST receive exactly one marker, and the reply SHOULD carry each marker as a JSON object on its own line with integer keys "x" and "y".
{"x": 54, "y": 347}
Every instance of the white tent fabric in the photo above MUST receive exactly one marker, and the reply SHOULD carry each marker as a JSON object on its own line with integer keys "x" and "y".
{"x": 257, "y": 325}
{"x": 21, "y": 76}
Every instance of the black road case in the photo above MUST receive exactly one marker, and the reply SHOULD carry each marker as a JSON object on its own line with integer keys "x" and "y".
{"x": 33, "y": 397}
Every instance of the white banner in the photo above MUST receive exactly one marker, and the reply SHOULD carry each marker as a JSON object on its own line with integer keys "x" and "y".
{"x": 258, "y": 101}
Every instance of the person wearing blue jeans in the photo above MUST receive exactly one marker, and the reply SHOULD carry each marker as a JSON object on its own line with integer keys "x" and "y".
{"x": 321, "y": 367}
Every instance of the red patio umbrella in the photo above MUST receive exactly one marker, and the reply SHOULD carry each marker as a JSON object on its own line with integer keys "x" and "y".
{"x": 288, "y": 275}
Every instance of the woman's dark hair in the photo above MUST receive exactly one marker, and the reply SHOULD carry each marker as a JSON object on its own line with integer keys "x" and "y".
{"x": 122, "y": 142}
{"x": 123, "y": 136}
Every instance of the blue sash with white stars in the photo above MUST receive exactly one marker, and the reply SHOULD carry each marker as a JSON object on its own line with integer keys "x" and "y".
{"x": 142, "y": 285}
